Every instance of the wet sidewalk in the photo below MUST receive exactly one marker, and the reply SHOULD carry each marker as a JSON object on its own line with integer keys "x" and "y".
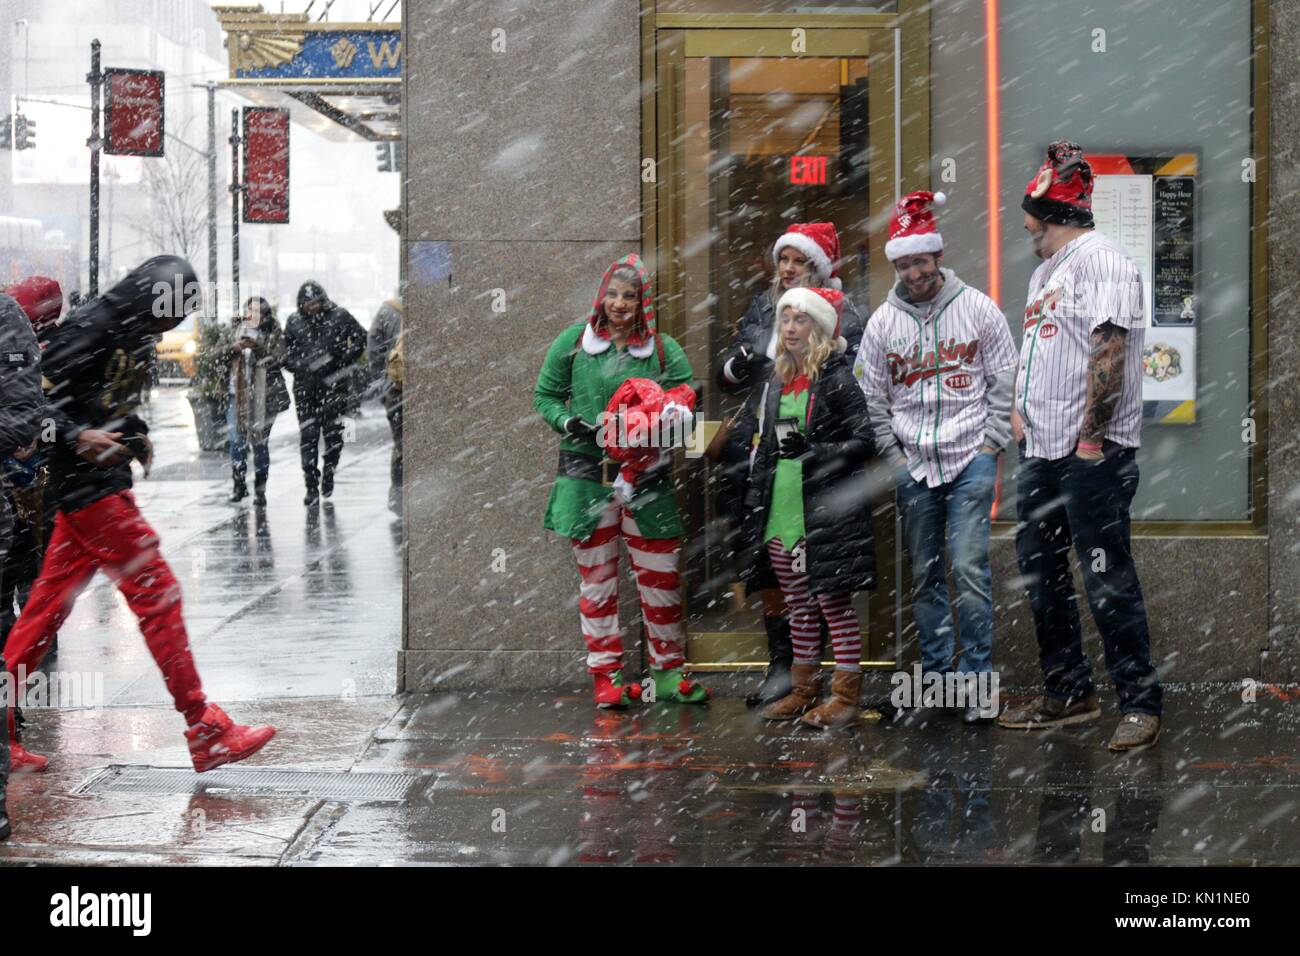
{"x": 295, "y": 620}
{"x": 495, "y": 778}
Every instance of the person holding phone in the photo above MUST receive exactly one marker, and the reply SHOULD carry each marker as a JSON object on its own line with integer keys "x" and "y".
{"x": 584, "y": 367}
{"x": 804, "y": 255}
{"x": 255, "y": 393}
{"x": 807, "y": 504}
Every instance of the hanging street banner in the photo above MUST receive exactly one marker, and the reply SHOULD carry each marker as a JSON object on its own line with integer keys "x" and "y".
{"x": 266, "y": 165}
{"x": 134, "y": 123}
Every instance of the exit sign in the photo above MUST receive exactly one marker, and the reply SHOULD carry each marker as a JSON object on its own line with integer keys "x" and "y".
{"x": 808, "y": 170}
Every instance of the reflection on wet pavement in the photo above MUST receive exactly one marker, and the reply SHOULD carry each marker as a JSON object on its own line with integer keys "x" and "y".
{"x": 295, "y": 621}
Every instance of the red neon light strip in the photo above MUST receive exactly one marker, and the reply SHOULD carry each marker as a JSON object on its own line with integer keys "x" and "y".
{"x": 994, "y": 136}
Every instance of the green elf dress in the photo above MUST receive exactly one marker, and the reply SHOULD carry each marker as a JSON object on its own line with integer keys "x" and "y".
{"x": 582, "y": 370}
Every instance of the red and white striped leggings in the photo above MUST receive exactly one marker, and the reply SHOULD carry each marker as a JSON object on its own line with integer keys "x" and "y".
{"x": 805, "y": 624}
{"x": 654, "y": 561}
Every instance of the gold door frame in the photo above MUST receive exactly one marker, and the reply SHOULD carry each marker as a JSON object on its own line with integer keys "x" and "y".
{"x": 896, "y": 45}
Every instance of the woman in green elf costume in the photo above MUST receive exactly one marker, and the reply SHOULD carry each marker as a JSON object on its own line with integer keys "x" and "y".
{"x": 585, "y": 365}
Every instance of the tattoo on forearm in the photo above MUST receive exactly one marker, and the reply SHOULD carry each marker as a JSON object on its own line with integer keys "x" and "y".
{"x": 1105, "y": 379}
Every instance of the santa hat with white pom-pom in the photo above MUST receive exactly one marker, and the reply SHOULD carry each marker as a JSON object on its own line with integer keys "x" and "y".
{"x": 912, "y": 230}
{"x": 819, "y": 243}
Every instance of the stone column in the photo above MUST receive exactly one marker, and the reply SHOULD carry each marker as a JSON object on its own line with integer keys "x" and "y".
{"x": 522, "y": 127}
{"x": 1284, "y": 352}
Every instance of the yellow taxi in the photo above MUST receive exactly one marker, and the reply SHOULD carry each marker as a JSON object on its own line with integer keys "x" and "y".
{"x": 178, "y": 349}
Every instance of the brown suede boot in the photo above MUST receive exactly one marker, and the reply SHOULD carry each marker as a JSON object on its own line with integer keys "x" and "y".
{"x": 806, "y": 682}
{"x": 842, "y": 708}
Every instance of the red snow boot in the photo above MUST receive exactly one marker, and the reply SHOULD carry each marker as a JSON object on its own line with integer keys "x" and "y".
{"x": 217, "y": 740}
{"x": 22, "y": 760}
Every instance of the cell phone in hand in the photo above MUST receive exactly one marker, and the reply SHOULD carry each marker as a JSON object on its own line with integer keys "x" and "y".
{"x": 784, "y": 427}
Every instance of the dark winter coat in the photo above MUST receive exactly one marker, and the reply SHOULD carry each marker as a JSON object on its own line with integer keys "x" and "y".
{"x": 98, "y": 363}
{"x": 322, "y": 351}
{"x": 21, "y": 401}
{"x": 382, "y": 338}
{"x": 755, "y": 332}
{"x": 837, "y": 495}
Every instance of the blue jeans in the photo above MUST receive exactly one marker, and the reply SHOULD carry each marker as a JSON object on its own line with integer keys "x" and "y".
{"x": 952, "y": 519}
{"x": 1068, "y": 502}
{"x": 239, "y": 449}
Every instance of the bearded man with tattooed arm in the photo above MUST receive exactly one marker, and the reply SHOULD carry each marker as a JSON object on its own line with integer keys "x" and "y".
{"x": 1077, "y": 416}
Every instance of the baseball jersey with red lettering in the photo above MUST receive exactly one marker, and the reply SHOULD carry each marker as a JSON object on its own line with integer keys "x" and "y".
{"x": 1088, "y": 281}
{"x": 932, "y": 363}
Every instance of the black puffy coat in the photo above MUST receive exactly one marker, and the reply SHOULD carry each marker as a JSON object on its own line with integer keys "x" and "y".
{"x": 322, "y": 351}
{"x": 837, "y": 492}
{"x": 755, "y": 332}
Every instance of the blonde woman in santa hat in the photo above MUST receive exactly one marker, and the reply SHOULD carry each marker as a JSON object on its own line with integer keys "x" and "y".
{"x": 590, "y": 502}
{"x": 805, "y": 255}
{"x": 806, "y": 517}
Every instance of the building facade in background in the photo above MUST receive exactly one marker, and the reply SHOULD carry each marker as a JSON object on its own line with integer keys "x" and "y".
{"x": 545, "y": 140}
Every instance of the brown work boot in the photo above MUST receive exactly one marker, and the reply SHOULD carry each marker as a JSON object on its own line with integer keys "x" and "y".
{"x": 805, "y": 682}
{"x": 1043, "y": 712}
{"x": 842, "y": 708}
{"x": 1135, "y": 732}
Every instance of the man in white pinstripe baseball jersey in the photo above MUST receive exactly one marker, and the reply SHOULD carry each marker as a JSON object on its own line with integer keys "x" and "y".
{"x": 1078, "y": 418}
{"x": 937, "y": 364}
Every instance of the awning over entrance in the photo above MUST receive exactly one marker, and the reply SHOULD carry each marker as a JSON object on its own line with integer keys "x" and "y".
{"x": 349, "y": 74}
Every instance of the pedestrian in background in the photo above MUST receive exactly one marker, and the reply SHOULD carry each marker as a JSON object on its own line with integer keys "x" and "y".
{"x": 255, "y": 393}
{"x": 322, "y": 345}
{"x": 21, "y": 406}
{"x": 385, "y": 352}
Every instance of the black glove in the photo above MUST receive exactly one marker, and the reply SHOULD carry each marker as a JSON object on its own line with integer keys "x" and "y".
{"x": 578, "y": 428}
{"x": 796, "y": 445}
{"x": 754, "y": 361}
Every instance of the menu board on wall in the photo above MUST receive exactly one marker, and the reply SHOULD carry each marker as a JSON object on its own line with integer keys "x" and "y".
{"x": 1147, "y": 205}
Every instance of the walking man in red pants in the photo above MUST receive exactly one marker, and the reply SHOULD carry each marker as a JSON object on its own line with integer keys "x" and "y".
{"x": 96, "y": 364}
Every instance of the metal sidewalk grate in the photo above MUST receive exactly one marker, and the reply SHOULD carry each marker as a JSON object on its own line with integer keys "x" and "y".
{"x": 251, "y": 782}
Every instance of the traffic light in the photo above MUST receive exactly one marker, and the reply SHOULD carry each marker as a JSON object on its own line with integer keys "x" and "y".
{"x": 24, "y": 132}
{"x": 6, "y": 132}
{"x": 389, "y": 157}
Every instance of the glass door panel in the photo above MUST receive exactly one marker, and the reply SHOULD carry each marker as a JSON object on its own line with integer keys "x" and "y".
{"x": 755, "y": 138}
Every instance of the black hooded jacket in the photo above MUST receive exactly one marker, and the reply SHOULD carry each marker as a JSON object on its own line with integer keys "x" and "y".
{"x": 837, "y": 491}
{"x": 322, "y": 351}
{"x": 97, "y": 365}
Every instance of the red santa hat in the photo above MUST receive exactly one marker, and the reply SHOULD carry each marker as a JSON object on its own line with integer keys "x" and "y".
{"x": 912, "y": 230}
{"x": 41, "y": 299}
{"x": 823, "y": 306}
{"x": 1061, "y": 191}
{"x": 820, "y": 243}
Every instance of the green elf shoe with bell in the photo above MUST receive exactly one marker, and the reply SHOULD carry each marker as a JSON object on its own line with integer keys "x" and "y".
{"x": 676, "y": 686}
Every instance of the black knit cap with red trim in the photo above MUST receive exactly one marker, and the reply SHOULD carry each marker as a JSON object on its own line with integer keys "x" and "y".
{"x": 1061, "y": 192}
